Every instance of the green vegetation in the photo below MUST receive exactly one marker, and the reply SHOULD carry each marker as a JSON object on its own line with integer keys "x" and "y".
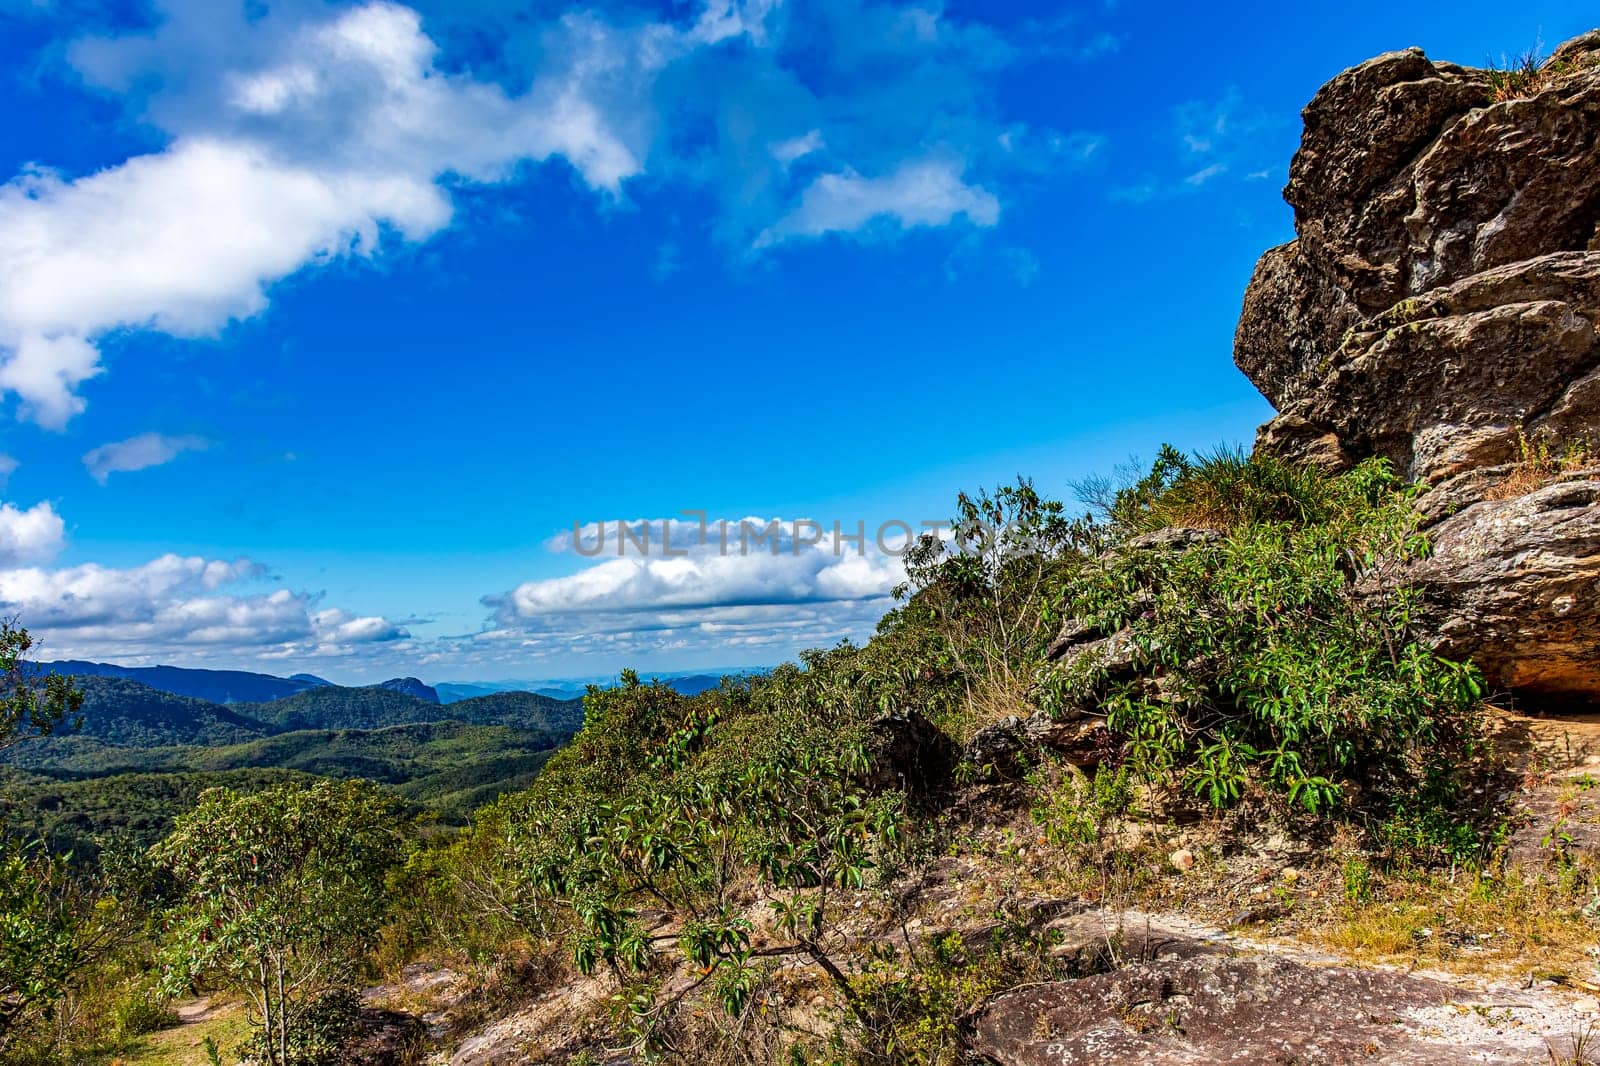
{"x": 735, "y": 871}
{"x": 30, "y": 707}
{"x": 1273, "y": 657}
{"x": 142, "y": 757}
{"x": 280, "y": 896}
{"x": 335, "y": 707}
{"x": 1279, "y": 653}
{"x": 75, "y": 817}
{"x": 128, "y": 713}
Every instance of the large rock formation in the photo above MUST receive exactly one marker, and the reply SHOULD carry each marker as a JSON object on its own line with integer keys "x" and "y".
{"x": 1440, "y": 308}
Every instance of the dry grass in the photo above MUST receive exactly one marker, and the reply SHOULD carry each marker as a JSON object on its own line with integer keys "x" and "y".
{"x": 1582, "y": 1048}
{"x": 1539, "y": 463}
{"x": 999, "y": 695}
{"x": 1474, "y": 923}
{"x": 1517, "y": 77}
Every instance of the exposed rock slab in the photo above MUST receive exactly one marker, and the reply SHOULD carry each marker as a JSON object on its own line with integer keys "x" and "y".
{"x": 1002, "y": 747}
{"x": 1216, "y": 1008}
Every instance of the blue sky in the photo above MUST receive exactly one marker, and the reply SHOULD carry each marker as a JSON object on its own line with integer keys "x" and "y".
{"x": 320, "y": 323}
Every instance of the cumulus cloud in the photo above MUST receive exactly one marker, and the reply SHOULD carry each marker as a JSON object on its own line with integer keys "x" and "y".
{"x": 924, "y": 193}
{"x": 338, "y": 626}
{"x": 33, "y": 535}
{"x": 187, "y": 607}
{"x": 306, "y": 134}
{"x": 656, "y": 585}
{"x": 138, "y": 453}
{"x": 312, "y": 157}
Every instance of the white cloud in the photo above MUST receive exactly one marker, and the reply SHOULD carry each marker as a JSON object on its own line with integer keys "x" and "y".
{"x": 185, "y": 607}
{"x": 775, "y": 582}
{"x": 924, "y": 193}
{"x": 1205, "y": 174}
{"x": 302, "y": 135}
{"x": 338, "y": 626}
{"x": 34, "y": 535}
{"x": 786, "y": 152}
{"x": 311, "y": 160}
{"x": 178, "y": 606}
{"x": 8, "y": 466}
{"x": 138, "y": 453}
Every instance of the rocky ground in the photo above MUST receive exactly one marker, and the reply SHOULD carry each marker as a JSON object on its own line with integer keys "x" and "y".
{"x": 1217, "y": 948}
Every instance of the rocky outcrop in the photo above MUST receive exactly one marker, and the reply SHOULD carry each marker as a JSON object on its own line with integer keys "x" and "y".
{"x": 410, "y": 686}
{"x": 907, "y": 751}
{"x": 1439, "y": 308}
{"x": 1004, "y": 749}
{"x": 1167, "y": 991}
{"x": 1215, "y": 1008}
{"x": 1515, "y": 585}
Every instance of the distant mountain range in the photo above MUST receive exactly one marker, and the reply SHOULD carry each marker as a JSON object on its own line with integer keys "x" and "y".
{"x": 218, "y": 686}
{"x": 242, "y": 686}
{"x": 124, "y": 713}
{"x": 142, "y": 754}
{"x": 153, "y": 737}
{"x": 574, "y": 688}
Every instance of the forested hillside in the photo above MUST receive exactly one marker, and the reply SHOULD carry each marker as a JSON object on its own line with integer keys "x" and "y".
{"x": 132, "y": 757}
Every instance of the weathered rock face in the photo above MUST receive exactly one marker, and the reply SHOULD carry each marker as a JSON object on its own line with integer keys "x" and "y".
{"x": 1213, "y": 1008}
{"x": 1440, "y": 308}
{"x": 1003, "y": 749}
{"x": 1515, "y": 584}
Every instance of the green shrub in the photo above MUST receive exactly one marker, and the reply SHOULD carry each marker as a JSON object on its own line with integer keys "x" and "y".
{"x": 917, "y": 1003}
{"x": 1075, "y": 814}
{"x": 1283, "y": 652}
{"x": 281, "y": 897}
{"x": 142, "y": 1008}
{"x": 981, "y": 600}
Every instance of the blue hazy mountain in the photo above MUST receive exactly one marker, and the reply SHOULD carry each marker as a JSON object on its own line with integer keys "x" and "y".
{"x": 215, "y": 686}
{"x": 571, "y": 688}
{"x": 411, "y": 687}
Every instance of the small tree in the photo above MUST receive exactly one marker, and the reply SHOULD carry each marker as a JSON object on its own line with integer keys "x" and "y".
{"x": 726, "y": 793}
{"x": 46, "y": 939}
{"x": 282, "y": 894}
{"x": 45, "y": 936}
{"x": 31, "y": 706}
{"x": 988, "y": 590}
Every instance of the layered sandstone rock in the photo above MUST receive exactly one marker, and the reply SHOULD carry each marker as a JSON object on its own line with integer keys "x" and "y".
{"x": 1439, "y": 308}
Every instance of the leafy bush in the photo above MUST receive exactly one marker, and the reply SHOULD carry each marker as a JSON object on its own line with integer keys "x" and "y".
{"x": 143, "y": 1008}
{"x": 679, "y": 803}
{"x": 1282, "y": 651}
{"x": 918, "y": 1001}
{"x": 42, "y": 938}
{"x": 280, "y": 895}
{"x": 981, "y": 599}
